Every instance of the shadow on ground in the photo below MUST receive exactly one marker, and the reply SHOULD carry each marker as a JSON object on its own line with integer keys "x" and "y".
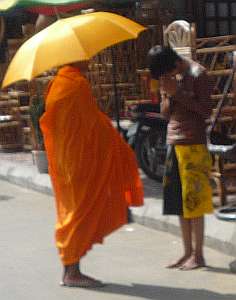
{"x": 5, "y": 198}
{"x": 232, "y": 266}
{"x": 164, "y": 293}
{"x": 218, "y": 270}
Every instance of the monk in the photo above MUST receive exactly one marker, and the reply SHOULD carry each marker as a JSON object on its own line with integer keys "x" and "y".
{"x": 93, "y": 171}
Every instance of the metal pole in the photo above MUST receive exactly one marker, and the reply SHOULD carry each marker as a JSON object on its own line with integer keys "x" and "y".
{"x": 116, "y": 97}
{"x": 56, "y": 12}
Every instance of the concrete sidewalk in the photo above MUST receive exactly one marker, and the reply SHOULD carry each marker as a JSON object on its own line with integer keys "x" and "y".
{"x": 220, "y": 235}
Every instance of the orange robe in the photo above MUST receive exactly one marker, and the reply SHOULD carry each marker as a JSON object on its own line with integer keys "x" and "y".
{"x": 94, "y": 172}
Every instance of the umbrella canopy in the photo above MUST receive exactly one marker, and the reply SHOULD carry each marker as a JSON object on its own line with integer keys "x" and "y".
{"x": 45, "y": 7}
{"x": 8, "y": 4}
{"x": 69, "y": 40}
{"x": 52, "y": 10}
{"x": 52, "y": 7}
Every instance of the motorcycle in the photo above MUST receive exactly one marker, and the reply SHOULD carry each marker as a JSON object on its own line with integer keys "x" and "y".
{"x": 147, "y": 136}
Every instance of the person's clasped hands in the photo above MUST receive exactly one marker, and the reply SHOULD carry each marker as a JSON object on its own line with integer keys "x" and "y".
{"x": 169, "y": 84}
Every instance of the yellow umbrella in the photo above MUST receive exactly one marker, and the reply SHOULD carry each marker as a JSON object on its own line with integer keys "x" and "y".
{"x": 69, "y": 40}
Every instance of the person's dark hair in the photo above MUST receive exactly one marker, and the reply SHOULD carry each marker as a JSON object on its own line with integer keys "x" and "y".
{"x": 161, "y": 60}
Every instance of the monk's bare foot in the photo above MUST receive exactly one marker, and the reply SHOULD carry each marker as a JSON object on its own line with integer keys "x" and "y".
{"x": 194, "y": 262}
{"x": 81, "y": 281}
{"x": 179, "y": 262}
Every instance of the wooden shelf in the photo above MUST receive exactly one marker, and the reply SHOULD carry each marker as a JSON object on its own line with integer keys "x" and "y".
{"x": 27, "y": 147}
{"x": 219, "y": 96}
{"x": 216, "y": 49}
{"x": 9, "y": 124}
{"x": 228, "y": 111}
{"x": 8, "y": 103}
{"x": 24, "y": 109}
{"x": 224, "y": 72}
{"x": 26, "y": 130}
{"x": 25, "y": 117}
{"x": 110, "y": 85}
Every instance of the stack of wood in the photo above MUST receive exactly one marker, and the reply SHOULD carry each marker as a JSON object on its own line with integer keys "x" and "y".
{"x": 21, "y": 92}
{"x": 10, "y": 124}
{"x": 19, "y": 96}
{"x": 18, "y": 93}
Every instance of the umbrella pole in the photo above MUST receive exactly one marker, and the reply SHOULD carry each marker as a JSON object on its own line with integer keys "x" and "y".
{"x": 116, "y": 97}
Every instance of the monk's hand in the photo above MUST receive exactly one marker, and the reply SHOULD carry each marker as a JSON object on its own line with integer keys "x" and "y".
{"x": 169, "y": 84}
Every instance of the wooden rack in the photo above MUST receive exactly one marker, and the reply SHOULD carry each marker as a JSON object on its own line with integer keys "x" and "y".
{"x": 216, "y": 54}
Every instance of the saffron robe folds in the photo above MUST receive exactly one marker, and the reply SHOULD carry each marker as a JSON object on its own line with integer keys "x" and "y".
{"x": 93, "y": 171}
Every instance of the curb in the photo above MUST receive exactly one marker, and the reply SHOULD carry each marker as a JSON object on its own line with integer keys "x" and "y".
{"x": 220, "y": 235}
{"x": 25, "y": 176}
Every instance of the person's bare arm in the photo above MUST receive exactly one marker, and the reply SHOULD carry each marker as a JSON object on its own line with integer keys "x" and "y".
{"x": 165, "y": 107}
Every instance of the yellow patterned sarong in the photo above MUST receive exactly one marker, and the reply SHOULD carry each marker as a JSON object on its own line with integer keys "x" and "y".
{"x": 194, "y": 164}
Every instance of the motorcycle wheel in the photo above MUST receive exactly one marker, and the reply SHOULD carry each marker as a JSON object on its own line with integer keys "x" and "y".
{"x": 150, "y": 150}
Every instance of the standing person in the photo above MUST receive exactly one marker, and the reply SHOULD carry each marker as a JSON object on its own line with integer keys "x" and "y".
{"x": 93, "y": 171}
{"x": 185, "y": 90}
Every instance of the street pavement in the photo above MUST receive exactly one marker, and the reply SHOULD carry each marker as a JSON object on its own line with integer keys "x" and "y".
{"x": 131, "y": 261}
